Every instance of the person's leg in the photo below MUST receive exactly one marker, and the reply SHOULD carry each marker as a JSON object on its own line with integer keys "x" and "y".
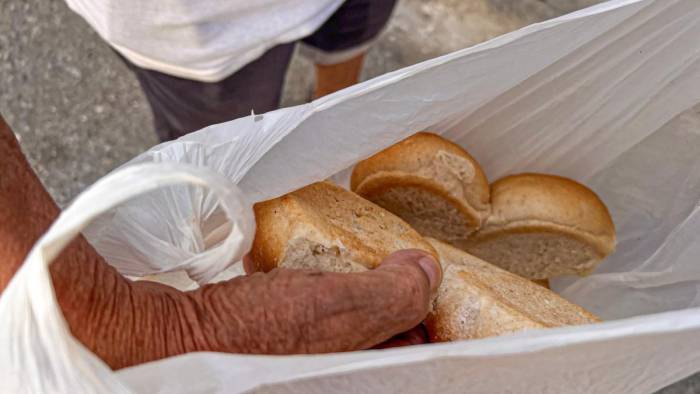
{"x": 181, "y": 106}
{"x": 338, "y": 46}
{"x": 334, "y": 77}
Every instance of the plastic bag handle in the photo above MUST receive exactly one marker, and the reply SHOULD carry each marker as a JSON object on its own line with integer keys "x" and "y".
{"x": 40, "y": 354}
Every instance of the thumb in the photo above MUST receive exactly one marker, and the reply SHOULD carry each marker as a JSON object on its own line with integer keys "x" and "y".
{"x": 301, "y": 311}
{"x": 364, "y": 309}
{"x": 422, "y": 259}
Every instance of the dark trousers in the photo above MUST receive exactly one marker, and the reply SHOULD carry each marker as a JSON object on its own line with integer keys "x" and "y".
{"x": 181, "y": 106}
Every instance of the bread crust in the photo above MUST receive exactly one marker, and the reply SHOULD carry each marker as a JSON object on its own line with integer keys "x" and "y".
{"x": 332, "y": 221}
{"x": 477, "y": 300}
{"x": 552, "y": 206}
{"x": 432, "y": 164}
{"x": 541, "y": 200}
{"x": 374, "y": 185}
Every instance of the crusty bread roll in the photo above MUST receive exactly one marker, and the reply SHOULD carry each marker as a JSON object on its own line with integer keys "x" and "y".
{"x": 542, "y": 282}
{"x": 430, "y": 182}
{"x": 325, "y": 227}
{"x": 477, "y": 300}
{"x": 542, "y": 226}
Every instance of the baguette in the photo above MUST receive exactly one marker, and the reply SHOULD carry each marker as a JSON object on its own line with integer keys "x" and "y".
{"x": 325, "y": 227}
{"x": 478, "y": 300}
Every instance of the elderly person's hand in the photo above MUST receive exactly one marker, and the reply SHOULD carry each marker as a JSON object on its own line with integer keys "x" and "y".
{"x": 282, "y": 312}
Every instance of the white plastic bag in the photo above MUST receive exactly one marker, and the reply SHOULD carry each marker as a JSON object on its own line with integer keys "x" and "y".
{"x": 608, "y": 95}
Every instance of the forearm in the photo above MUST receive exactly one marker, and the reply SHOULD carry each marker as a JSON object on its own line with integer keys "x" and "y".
{"x": 127, "y": 323}
{"x": 122, "y": 322}
{"x": 284, "y": 312}
{"x": 26, "y": 212}
{"x": 22, "y": 217}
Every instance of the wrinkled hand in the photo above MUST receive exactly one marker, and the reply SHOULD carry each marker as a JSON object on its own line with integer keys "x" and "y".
{"x": 281, "y": 312}
{"x": 330, "y": 312}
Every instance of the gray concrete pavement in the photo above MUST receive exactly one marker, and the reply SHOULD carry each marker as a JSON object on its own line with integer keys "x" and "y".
{"x": 79, "y": 112}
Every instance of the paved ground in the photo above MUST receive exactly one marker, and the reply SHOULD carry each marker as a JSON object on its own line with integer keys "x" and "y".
{"x": 79, "y": 112}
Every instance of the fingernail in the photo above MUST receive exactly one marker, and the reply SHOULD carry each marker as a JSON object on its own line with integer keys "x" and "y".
{"x": 431, "y": 269}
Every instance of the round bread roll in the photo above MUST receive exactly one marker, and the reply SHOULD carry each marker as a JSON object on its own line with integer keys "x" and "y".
{"x": 325, "y": 227}
{"x": 542, "y": 226}
{"x": 428, "y": 181}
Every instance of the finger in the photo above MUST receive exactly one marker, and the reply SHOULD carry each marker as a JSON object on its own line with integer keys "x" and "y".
{"x": 415, "y": 336}
{"x": 248, "y": 264}
{"x": 391, "y": 299}
{"x": 299, "y": 311}
{"x": 430, "y": 267}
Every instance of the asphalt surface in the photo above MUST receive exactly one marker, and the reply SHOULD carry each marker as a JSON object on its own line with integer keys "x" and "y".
{"x": 79, "y": 113}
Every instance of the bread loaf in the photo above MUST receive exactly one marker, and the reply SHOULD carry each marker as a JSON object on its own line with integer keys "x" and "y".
{"x": 542, "y": 282}
{"x": 325, "y": 227}
{"x": 477, "y": 300}
{"x": 537, "y": 226}
{"x": 542, "y": 226}
{"x": 431, "y": 183}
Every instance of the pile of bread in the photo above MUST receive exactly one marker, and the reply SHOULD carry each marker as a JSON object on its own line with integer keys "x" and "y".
{"x": 493, "y": 241}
